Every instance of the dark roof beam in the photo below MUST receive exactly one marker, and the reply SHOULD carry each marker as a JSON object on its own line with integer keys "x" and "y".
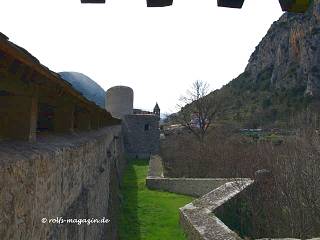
{"x": 230, "y": 3}
{"x": 93, "y": 1}
{"x": 159, "y": 3}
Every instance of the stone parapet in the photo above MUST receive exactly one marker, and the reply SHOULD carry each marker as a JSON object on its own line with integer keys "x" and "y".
{"x": 188, "y": 186}
{"x": 69, "y": 176}
{"x": 198, "y": 218}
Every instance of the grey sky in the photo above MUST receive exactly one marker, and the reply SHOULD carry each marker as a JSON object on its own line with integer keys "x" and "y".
{"x": 158, "y": 52}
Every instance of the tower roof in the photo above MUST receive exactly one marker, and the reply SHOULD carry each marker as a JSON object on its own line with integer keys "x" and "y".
{"x": 156, "y": 107}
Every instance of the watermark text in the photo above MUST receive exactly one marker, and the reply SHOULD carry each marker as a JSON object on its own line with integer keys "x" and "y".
{"x": 79, "y": 221}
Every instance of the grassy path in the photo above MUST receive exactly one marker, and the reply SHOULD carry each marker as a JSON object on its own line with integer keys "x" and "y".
{"x": 146, "y": 214}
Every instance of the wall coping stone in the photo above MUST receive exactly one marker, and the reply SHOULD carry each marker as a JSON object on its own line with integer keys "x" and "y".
{"x": 14, "y": 151}
{"x": 198, "y": 215}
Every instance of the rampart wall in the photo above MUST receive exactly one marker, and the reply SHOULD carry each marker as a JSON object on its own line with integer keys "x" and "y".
{"x": 68, "y": 176}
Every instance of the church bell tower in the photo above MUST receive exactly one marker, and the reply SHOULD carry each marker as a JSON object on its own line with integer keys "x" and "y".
{"x": 156, "y": 110}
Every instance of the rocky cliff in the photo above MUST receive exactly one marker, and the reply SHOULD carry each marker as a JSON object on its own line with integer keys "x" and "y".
{"x": 291, "y": 50}
{"x": 283, "y": 73}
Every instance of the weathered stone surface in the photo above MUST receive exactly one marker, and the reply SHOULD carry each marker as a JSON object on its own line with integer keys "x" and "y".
{"x": 188, "y": 186}
{"x": 65, "y": 176}
{"x": 155, "y": 167}
{"x": 141, "y": 135}
{"x": 198, "y": 220}
{"x": 119, "y": 101}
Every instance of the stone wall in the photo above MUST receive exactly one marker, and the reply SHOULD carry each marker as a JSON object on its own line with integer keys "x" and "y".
{"x": 198, "y": 219}
{"x": 188, "y": 186}
{"x": 195, "y": 187}
{"x": 201, "y": 219}
{"x": 68, "y": 176}
{"x": 141, "y": 135}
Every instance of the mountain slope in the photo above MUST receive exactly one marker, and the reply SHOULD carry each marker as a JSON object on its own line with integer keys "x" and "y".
{"x": 89, "y": 88}
{"x": 282, "y": 76}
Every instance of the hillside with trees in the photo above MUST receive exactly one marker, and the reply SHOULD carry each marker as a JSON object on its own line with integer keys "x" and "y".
{"x": 282, "y": 77}
{"x": 279, "y": 91}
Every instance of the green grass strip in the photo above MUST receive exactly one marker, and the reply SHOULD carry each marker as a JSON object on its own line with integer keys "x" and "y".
{"x": 147, "y": 214}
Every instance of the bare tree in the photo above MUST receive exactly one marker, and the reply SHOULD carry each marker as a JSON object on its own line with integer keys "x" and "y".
{"x": 197, "y": 109}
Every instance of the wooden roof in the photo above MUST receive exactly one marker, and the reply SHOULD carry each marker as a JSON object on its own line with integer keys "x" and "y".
{"x": 18, "y": 53}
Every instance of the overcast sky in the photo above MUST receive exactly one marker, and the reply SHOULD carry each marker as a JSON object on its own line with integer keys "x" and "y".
{"x": 158, "y": 52}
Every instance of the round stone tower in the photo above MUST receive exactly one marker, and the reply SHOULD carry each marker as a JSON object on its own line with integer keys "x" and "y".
{"x": 119, "y": 101}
